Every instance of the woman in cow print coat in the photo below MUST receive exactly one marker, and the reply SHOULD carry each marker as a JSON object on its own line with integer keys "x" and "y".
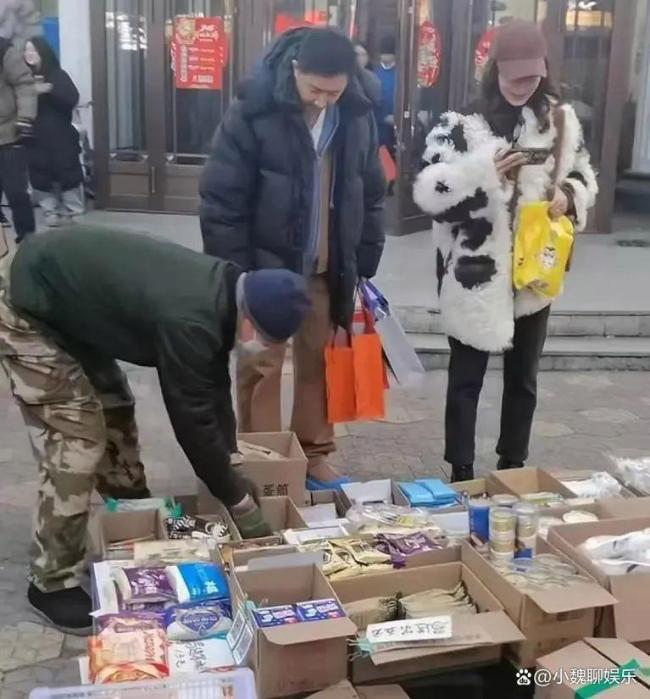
{"x": 474, "y": 187}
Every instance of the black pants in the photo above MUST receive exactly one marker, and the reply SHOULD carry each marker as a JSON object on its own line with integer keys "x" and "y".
{"x": 15, "y": 183}
{"x": 467, "y": 368}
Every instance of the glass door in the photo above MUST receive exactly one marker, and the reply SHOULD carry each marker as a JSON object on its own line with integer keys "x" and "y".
{"x": 428, "y": 49}
{"x": 163, "y": 76}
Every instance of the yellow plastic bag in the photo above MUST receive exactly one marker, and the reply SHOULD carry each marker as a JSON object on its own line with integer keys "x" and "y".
{"x": 542, "y": 249}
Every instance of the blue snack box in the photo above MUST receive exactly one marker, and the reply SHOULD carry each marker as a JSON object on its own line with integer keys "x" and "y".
{"x": 275, "y": 616}
{"x": 319, "y": 610}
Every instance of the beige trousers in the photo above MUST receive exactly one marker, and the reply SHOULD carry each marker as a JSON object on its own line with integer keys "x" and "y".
{"x": 259, "y": 381}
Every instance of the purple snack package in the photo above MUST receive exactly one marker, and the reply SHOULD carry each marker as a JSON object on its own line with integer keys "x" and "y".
{"x": 144, "y": 585}
{"x": 319, "y": 610}
{"x": 130, "y": 621}
{"x": 401, "y": 547}
{"x": 275, "y": 616}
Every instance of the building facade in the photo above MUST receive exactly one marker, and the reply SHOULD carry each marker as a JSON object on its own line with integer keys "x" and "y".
{"x": 157, "y": 75}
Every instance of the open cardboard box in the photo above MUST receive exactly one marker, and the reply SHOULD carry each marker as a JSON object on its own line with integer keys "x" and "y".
{"x": 583, "y": 474}
{"x": 479, "y": 638}
{"x": 521, "y": 481}
{"x": 629, "y": 619}
{"x": 112, "y": 527}
{"x": 549, "y": 619}
{"x": 600, "y": 657}
{"x": 293, "y": 658}
{"x": 284, "y": 476}
{"x": 607, "y": 508}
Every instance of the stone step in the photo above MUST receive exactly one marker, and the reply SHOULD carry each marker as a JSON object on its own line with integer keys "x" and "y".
{"x": 419, "y": 319}
{"x": 560, "y": 353}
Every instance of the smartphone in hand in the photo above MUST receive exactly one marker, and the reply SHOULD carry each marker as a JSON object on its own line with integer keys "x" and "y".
{"x": 534, "y": 156}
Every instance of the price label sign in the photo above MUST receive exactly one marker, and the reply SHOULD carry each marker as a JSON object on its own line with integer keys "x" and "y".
{"x": 410, "y": 630}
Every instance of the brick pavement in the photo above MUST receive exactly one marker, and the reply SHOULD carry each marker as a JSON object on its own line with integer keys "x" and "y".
{"x": 582, "y": 418}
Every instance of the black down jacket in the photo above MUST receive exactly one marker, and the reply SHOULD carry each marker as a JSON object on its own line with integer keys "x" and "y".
{"x": 54, "y": 150}
{"x": 256, "y": 189}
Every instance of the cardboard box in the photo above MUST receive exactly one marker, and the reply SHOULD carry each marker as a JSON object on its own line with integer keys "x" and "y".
{"x": 344, "y": 690}
{"x": 294, "y": 658}
{"x": 610, "y": 662}
{"x": 582, "y": 474}
{"x": 485, "y": 633}
{"x": 281, "y": 477}
{"x": 281, "y": 513}
{"x": 112, "y": 527}
{"x": 629, "y": 619}
{"x": 549, "y": 619}
{"x": 521, "y": 481}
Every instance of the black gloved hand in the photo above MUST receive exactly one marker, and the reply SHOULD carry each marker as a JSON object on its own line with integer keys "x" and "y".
{"x": 25, "y": 128}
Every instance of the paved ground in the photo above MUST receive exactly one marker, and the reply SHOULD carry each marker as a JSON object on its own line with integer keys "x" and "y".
{"x": 604, "y": 276}
{"x": 582, "y": 419}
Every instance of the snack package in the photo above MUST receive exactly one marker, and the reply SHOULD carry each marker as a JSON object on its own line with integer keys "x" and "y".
{"x": 143, "y": 585}
{"x": 166, "y": 505}
{"x": 196, "y": 582}
{"x": 198, "y": 621}
{"x": 189, "y": 527}
{"x": 361, "y": 551}
{"x": 399, "y": 548}
{"x": 275, "y": 616}
{"x": 435, "y": 602}
{"x": 200, "y": 656}
{"x": 129, "y": 621}
{"x": 373, "y": 610}
{"x": 179, "y": 551}
{"x": 128, "y": 657}
{"x": 319, "y": 610}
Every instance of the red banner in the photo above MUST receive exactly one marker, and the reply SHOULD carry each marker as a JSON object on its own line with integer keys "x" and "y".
{"x": 199, "y": 53}
{"x": 429, "y": 54}
{"x": 482, "y": 53}
{"x": 285, "y": 21}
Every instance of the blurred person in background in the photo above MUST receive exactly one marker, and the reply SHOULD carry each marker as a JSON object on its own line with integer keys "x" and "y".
{"x": 54, "y": 151}
{"x": 293, "y": 180}
{"x": 18, "y": 105}
{"x": 386, "y": 72}
{"x": 481, "y": 171}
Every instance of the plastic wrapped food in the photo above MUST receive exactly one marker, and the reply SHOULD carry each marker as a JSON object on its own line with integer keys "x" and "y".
{"x": 190, "y": 527}
{"x": 635, "y": 473}
{"x": 129, "y": 621}
{"x": 380, "y": 518}
{"x": 372, "y": 610}
{"x": 128, "y": 657}
{"x": 619, "y": 555}
{"x": 143, "y": 585}
{"x": 400, "y": 548}
{"x": 362, "y": 552}
{"x": 196, "y": 582}
{"x": 319, "y": 610}
{"x": 599, "y": 485}
{"x": 198, "y": 621}
{"x": 194, "y": 657}
{"x": 434, "y": 602}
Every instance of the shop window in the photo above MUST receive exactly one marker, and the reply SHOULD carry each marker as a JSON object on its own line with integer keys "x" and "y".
{"x": 587, "y": 46}
{"x": 126, "y": 47}
{"x": 288, "y": 14}
{"x": 199, "y": 40}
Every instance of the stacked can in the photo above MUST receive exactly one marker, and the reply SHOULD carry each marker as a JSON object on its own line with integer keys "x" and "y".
{"x": 479, "y": 521}
{"x": 503, "y": 527}
{"x": 527, "y": 527}
{"x": 504, "y": 500}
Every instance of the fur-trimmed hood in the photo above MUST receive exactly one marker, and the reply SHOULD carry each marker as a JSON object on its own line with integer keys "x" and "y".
{"x": 273, "y": 86}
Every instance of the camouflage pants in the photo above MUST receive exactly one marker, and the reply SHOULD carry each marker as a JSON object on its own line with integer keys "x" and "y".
{"x": 83, "y": 436}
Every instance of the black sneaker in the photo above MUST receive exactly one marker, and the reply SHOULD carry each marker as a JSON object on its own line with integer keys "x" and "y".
{"x": 462, "y": 473}
{"x": 504, "y": 465}
{"x": 67, "y": 610}
{"x": 4, "y": 221}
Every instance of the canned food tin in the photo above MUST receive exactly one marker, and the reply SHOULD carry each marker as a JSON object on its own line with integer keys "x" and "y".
{"x": 504, "y": 500}
{"x": 479, "y": 520}
{"x": 527, "y": 526}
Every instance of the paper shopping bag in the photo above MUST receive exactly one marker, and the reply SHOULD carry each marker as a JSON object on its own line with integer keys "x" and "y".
{"x": 400, "y": 355}
{"x": 339, "y": 379}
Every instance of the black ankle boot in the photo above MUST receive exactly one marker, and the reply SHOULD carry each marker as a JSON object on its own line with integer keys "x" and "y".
{"x": 67, "y": 610}
{"x": 504, "y": 465}
{"x": 462, "y": 473}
